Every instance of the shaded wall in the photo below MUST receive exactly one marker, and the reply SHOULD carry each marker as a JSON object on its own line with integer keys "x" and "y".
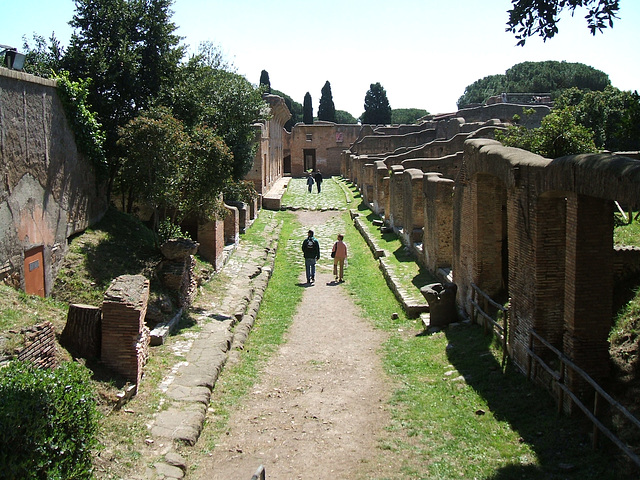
{"x": 49, "y": 189}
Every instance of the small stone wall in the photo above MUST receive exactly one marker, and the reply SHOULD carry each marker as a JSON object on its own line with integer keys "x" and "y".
{"x": 40, "y": 346}
{"x": 177, "y": 270}
{"x": 125, "y": 337}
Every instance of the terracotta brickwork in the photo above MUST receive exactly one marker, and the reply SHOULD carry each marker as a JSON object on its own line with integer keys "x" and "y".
{"x": 396, "y": 197}
{"x": 231, "y": 225}
{"x": 328, "y": 140}
{"x": 413, "y": 205}
{"x": 268, "y": 163}
{"x": 125, "y": 337}
{"x": 380, "y": 187}
{"x": 528, "y": 230}
{"x": 211, "y": 240}
{"x": 589, "y": 285}
{"x": 437, "y": 241}
{"x": 39, "y": 346}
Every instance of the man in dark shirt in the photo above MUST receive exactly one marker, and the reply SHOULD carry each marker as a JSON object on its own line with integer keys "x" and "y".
{"x": 318, "y": 178}
{"x": 311, "y": 251}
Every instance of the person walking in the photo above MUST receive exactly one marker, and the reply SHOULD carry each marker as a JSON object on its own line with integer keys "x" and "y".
{"x": 310, "y": 182}
{"x": 318, "y": 178}
{"x": 311, "y": 251}
{"x": 339, "y": 254}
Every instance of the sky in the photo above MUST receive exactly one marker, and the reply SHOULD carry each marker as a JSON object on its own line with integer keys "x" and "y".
{"x": 423, "y": 52}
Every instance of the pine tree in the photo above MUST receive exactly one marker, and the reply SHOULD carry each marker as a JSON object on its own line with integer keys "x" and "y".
{"x": 307, "y": 110}
{"x": 326, "y": 108}
{"x": 264, "y": 80}
{"x": 376, "y": 106}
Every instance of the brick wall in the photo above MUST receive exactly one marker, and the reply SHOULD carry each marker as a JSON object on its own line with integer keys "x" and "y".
{"x": 39, "y": 346}
{"x": 437, "y": 242}
{"x": 125, "y": 337}
{"x": 211, "y": 239}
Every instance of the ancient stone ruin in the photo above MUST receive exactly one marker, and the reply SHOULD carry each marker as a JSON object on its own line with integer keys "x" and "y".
{"x": 125, "y": 337}
{"x": 531, "y": 231}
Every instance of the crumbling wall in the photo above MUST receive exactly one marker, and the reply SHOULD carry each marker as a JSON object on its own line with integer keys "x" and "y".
{"x": 125, "y": 337}
{"x": 39, "y": 346}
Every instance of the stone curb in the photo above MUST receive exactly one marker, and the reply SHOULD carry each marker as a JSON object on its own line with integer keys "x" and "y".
{"x": 411, "y": 304}
{"x": 192, "y": 385}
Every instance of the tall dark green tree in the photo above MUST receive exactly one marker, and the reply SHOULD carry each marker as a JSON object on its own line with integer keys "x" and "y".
{"x": 527, "y": 18}
{"x": 326, "y": 108}
{"x": 264, "y": 80}
{"x": 129, "y": 49}
{"x": 377, "y": 110}
{"x": 307, "y": 109}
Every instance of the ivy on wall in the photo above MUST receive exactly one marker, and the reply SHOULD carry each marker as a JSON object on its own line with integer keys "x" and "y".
{"x": 88, "y": 132}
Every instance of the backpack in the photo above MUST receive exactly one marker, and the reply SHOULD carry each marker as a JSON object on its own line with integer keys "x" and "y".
{"x": 309, "y": 245}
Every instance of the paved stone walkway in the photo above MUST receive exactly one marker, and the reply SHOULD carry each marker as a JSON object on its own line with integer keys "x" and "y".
{"x": 225, "y": 327}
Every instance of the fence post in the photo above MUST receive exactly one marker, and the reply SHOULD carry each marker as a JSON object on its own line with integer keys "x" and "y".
{"x": 560, "y": 390}
{"x": 530, "y": 355}
{"x": 596, "y": 430}
{"x": 474, "y": 296}
{"x": 505, "y": 334}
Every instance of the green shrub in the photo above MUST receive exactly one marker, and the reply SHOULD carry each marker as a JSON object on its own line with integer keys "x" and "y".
{"x": 48, "y": 422}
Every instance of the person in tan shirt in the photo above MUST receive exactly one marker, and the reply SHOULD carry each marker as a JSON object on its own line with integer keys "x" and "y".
{"x": 339, "y": 254}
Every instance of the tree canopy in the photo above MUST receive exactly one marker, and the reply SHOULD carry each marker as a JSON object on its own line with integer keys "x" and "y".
{"x": 326, "y": 108}
{"x": 345, "y": 117}
{"x": 206, "y": 92}
{"x": 129, "y": 50}
{"x": 535, "y": 77}
{"x": 188, "y": 123}
{"x": 527, "y": 18}
{"x": 559, "y": 135}
{"x": 307, "y": 109}
{"x": 406, "y": 116}
{"x": 613, "y": 115}
{"x": 376, "y": 106}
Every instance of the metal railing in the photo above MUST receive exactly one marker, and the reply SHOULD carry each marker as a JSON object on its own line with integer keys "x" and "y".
{"x": 488, "y": 322}
{"x": 559, "y": 376}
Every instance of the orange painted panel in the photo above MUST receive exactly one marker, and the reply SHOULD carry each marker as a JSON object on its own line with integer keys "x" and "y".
{"x": 34, "y": 271}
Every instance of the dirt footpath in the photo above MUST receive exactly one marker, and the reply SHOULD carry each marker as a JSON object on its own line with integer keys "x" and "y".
{"x": 320, "y": 407}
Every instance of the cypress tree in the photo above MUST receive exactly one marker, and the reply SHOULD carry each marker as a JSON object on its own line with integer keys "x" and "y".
{"x": 326, "y": 108}
{"x": 264, "y": 80}
{"x": 307, "y": 110}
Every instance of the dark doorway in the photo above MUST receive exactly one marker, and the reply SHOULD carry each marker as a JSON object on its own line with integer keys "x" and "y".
{"x": 309, "y": 159}
{"x": 287, "y": 164}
